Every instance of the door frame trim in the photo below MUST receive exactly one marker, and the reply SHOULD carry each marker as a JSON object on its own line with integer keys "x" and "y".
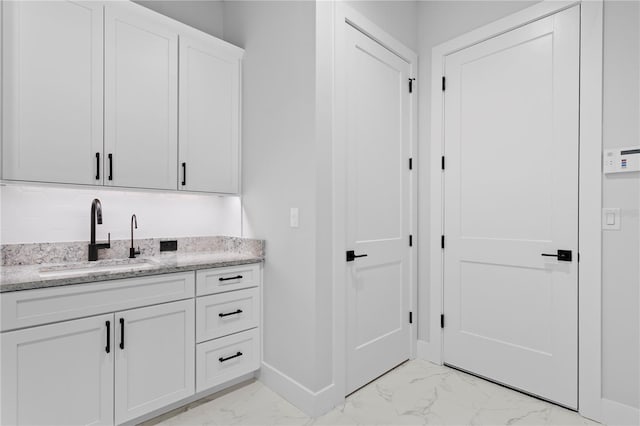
{"x": 590, "y": 188}
{"x": 343, "y": 14}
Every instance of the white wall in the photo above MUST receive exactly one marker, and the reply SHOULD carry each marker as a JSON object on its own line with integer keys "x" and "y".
{"x": 397, "y": 17}
{"x": 50, "y": 213}
{"x": 621, "y": 249}
{"x": 205, "y": 15}
{"x": 279, "y": 170}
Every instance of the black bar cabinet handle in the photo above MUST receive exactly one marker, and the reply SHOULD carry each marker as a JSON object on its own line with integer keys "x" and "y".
{"x": 237, "y": 277}
{"x": 121, "y": 333}
{"x": 184, "y": 174}
{"x": 108, "y": 347}
{"x": 97, "y": 166}
{"x": 110, "y": 166}
{"x": 222, "y": 359}
{"x": 238, "y": 311}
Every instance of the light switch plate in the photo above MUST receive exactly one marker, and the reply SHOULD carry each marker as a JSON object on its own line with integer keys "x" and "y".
{"x": 611, "y": 218}
{"x": 294, "y": 217}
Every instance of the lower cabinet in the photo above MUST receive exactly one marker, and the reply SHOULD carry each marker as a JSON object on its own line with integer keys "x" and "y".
{"x": 68, "y": 373}
{"x": 59, "y": 374}
{"x": 226, "y": 358}
{"x": 154, "y": 353}
{"x": 110, "y": 352}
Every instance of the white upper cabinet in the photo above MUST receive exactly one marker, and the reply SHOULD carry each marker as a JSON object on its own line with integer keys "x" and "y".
{"x": 90, "y": 96}
{"x": 141, "y": 98}
{"x": 209, "y": 140}
{"x": 52, "y": 91}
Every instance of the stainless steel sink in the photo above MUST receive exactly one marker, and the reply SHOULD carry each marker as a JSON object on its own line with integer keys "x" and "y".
{"x": 82, "y": 268}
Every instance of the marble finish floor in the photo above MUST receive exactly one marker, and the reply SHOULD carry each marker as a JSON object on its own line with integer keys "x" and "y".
{"x": 414, "y": 393}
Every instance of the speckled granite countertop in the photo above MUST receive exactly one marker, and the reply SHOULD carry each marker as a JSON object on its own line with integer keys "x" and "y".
{"x": 20, "y": 274}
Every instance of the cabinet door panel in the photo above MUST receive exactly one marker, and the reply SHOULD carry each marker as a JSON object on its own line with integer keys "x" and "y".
{"x": 52, "y": 81}
{"x": 58, "y": 374}
{"x": 141, "y": 86}
{"x": 155, "y": 367}
{"x": 209, "y": 116}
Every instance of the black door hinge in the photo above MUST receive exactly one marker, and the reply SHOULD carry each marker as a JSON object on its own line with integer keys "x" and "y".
{"x": 442, "y": 241}
{"x": 441, "y": 320}
{"x": 442, "y": 162}
{"x": 410, "y": 317}
{"x": 410, "y": 163}
{"x": 411, "y": 80}
{"x": 410, "y": 240}
{"x": 444, "y": 84}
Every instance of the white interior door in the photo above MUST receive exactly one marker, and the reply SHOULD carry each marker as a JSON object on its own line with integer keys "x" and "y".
{"x": 378, "y": 146}
{"x": 511, "y": 196}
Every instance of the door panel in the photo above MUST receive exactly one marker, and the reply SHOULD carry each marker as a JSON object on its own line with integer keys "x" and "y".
{"x": 155, "y": 366}
{"x": 141, "y": 98}
{"x": 377, "y": 209}
{"x": 52, "y": 90}
{"x": 209, "y": 117}
{"x": 59, "y": 374}
{"x": 511, "y": 185}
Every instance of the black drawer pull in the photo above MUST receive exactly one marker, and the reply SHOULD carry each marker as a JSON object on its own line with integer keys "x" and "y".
{"x": 221, "y": 315}
{"x": 222, "y": 359}
{"x": 184, "y": 174}
{"x": 108, "y": 325}
{"x": 121, "y": 333}
{"x": 237, "y": 277}
{"x": 110, "y": 166}
{"x": 97, "y": 166}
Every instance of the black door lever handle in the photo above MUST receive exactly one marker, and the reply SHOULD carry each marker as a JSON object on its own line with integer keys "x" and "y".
{"x": 564, "y": 255}
{"x": 351, "y": 255}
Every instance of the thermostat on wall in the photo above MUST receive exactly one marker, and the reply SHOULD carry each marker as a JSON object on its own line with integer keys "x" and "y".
{"x": 620, "y": 160}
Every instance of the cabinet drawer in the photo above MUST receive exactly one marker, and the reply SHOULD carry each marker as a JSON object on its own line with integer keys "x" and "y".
{"x": 218, "y": 315}
{"x": 219, "y": 280}
{"x": 223, "y": 359}
{"x": 34, "y": 307}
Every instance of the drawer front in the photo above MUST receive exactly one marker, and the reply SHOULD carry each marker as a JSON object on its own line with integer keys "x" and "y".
{"x": 224, "y": 359}
{"x": 218, "y": 280}
{"x": 34, "y": 307}
{"x": 222, "y": 314}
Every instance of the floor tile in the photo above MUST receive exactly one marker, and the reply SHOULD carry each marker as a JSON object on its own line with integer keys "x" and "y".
{"x": 415, "y": 393}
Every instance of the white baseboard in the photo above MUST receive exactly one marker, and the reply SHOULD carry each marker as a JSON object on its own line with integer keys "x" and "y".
{"x": 615, "y": 413}
{"x": 312, "y": 403}
{"x": 427, "y": 351}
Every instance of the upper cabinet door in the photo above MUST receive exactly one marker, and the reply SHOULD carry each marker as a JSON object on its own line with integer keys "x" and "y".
{"x": 209, "y": 142}
{"x": 52, "y": 82}
{"x": 141, "y": 99}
